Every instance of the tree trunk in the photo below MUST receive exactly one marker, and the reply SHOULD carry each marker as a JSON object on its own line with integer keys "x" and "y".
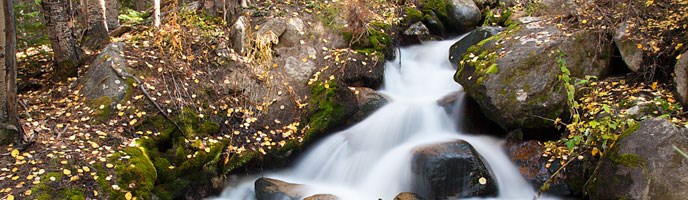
{"x": 112, "y": 14}
{"x": 228, "y": 9}
{"x": 96, "y": 36}
{"x": 140, "y": 5}
{"x": 66, "y": 54}
{"x": 156, "y": 13}
{"x": 9, "y": 128}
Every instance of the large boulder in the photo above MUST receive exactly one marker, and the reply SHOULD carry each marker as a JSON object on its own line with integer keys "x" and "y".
{"x": 681, "y": 78}
{"x": 514, "y": 75}
{"x": 273, "y": 189}
{"x": 528, "y": 157}
{"x": 101, "y": 80}
{"x": 368, "y": 101}
{"x": 451, "y": 169}
{"x": 630, "y": 54}
{"x": 459, "y": 48}
{"x": 463, "y": 15}
{"x": 644, "y": 165}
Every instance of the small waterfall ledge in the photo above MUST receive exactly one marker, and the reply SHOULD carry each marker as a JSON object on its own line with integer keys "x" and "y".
{"x": 372, "y": 159}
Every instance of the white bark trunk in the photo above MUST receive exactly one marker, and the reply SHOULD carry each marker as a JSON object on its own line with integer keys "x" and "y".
{"x": 156, "y": 13}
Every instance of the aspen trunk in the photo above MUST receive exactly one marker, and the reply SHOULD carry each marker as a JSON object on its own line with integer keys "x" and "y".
{"x": 66, "y": 54}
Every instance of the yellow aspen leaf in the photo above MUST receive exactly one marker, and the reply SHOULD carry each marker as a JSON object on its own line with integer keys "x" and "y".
{"x": 654, "y": 85}
{"x": 649, "y": 2}
{"x": 640, "y": 46}
{"x": 27, "y": 193}
{"x": 10, "y": 197}
{"x": 678, "y": 46}
{"x": 594, "y": 151}
{"x": 66, "y": 172}
{"x": 678, "y": 57}
{"x": 15, "y": 153}
{"x": 585, "y": 21}
{"x": 109, "y": 165}
{"x": 95, "y": 193}
{"x": 133, "y": 121}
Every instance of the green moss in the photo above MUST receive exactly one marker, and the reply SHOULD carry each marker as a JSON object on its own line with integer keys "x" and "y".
{"x": 138, "y": 170}
{"x": 629, "y": 160}
{"x": 49, "y": 190}
{"x": 437, "y": 6}
{"x": 100, "y": 115}
{"x": 327, "y": 112}
{"x": 413, "y": 15}
{"x": 497, "y": 17}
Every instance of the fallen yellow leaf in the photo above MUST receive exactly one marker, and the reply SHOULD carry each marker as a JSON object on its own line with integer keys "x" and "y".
{"x": 15, "y": 153}
{"x": 66, "y": 172}
{"x": 128, "y": 196}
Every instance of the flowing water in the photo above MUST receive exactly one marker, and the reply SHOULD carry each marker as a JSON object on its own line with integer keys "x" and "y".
{"x": 372, "y": 159}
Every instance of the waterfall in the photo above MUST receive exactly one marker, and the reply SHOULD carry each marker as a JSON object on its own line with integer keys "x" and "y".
{"x": 372, "y": 159}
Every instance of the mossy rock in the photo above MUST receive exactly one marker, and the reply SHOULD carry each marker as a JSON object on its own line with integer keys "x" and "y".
{"x": 57, "y": 189}
{"x": 138, "y": 171}
{"x": 514, "y": 76}
{"x": 644, "y": 165}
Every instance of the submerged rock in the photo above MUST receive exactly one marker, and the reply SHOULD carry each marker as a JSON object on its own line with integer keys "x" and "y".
{"x": 408, "y": 196}
{"x": 681, "y": 78}
{"x": 273, "y": 189}
{"x": 368, "y": 101}
{"x": 322, "y": 197}
{"x": 514, "y": 75}
{"x": 644, "y": 165}
{"x": 452, "y": 169}
{"x": 101, "y": 80}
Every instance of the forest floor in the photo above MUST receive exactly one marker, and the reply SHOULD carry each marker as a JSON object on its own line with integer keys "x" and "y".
{"x": 76, "y": 145}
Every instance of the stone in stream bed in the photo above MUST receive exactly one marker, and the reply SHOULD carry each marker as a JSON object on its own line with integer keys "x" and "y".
{"x": 273, "y": 189}
{"x": 408, "y": 196}
{"x": 450, "y": 170}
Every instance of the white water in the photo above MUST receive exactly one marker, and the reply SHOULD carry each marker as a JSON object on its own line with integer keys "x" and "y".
{"x": 371, "y": 160}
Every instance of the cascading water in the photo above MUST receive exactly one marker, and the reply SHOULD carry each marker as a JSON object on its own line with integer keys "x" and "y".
{"x": 372, "y": 159}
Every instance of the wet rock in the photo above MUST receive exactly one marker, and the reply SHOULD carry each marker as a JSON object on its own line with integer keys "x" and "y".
{"x": 459, "y": 48}
{"x": 322, "y": 197}
{"x": 631, "y": 55}
{"x": 527, "y": 156}
{"x": 363, "y": 71}
{"x": 681, "y": 78}
{"x": 644, "y": 165}
{"x": 416, "y": 33}
{"x": 273, "y": 189}
{"x": 514, "y": 78}
{"x": 451, "y": 169}
{"x": 101, "y": 80}
{"x": 470, "y": 118}
{"x": 463, "y": 15}
{"x": 368, "y": 101}
{"x": 238, "y": 34}
{"x": 408, "y": 196}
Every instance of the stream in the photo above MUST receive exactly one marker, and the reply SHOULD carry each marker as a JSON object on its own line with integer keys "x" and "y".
{"x": 372, "y": 159}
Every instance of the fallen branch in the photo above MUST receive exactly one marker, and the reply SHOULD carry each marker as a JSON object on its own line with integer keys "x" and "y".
{"x": 124, "y": 75}
{"x": 59, "y": 133}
